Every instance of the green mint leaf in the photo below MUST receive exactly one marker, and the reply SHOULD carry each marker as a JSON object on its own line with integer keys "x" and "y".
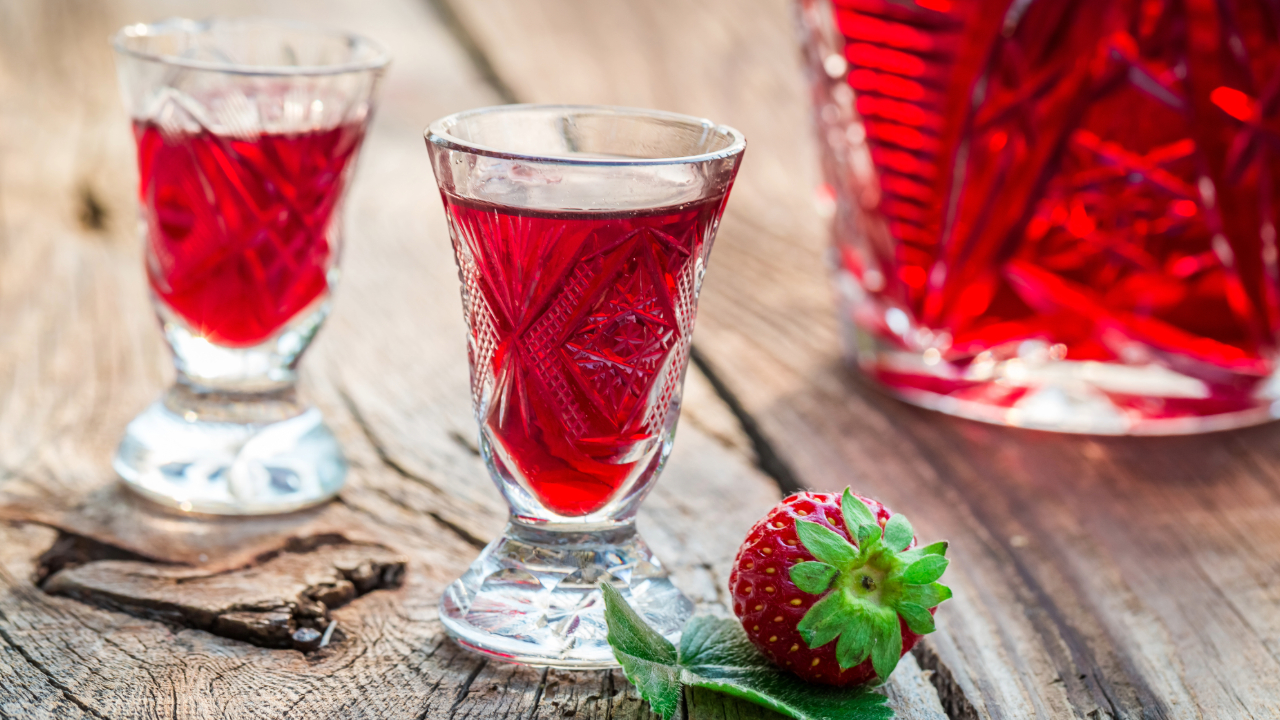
{"x": 938, "y": 548}
{"x": 898, "y": 533}
{"x": 855, "y": 642}
{"x": 855, "y": 512}
{"x": 716, "y": 654}
{"x": 648, "y": 660}
{"x": 926, "y": 596}
{"x": 925, "y": 570}
{"x": 825, "y": 544}
{"x": 812, "y": 577}
{"x": 629, "y": 632}
{"x": 886, "y": 645}
{"x": 868, "y": 535}
{"x": 825, "y": 620}
{"x": 917, "y": 617}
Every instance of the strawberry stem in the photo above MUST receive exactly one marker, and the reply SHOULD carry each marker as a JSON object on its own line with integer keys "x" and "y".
{"x": 867, "y": 587}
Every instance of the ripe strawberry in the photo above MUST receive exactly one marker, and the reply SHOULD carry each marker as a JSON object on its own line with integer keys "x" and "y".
{"x": 833, "y": 588}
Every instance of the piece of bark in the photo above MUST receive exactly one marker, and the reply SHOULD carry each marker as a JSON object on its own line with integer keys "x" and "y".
{"x": 264, "y": 604}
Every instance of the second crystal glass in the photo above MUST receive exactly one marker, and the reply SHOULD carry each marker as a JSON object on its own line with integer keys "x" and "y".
{"x": 247, "y": 134}
{"x": 581, "y": 236}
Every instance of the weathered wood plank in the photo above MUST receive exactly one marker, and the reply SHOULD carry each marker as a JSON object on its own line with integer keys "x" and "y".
{"x": 1094, "y": 577}
{"x": 80, "y": 355}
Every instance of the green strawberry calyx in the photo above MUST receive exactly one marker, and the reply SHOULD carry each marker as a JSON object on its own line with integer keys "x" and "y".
{"x": 867, "y": 586}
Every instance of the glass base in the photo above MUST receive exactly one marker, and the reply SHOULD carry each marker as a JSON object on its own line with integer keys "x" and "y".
{"x": 231, "y": 454}
{"x": 533, "y": 596}
{"x": 1027, "y": 387}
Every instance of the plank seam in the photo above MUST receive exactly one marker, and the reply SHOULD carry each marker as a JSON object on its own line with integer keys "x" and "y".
{"x": 455, "y": 26}
{"x": 768, "y": 460}
{"x": 950, "y": 695}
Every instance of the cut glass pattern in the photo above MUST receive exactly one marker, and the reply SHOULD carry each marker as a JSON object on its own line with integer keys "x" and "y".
{"x": 588, "y": 317}
{"x": 1083, "y": 188}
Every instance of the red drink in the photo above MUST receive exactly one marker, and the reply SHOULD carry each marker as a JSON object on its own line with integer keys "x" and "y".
{"x": 581, "y": 234}
{"x": 1092, "y": 177}
{"x": 238, "y": 229}
{"x": 580, "y": 327}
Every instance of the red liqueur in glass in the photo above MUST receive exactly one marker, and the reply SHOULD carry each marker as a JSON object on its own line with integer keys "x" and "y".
{"x": 1057, "y": 214}
{"x": 247, "y": 130}
{"x": 580, "y": 326}
{"x": 238, "y": 240}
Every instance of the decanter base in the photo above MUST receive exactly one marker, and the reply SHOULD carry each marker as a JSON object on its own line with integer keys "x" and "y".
{"x": 533, "y": 596}
{"x": 231, "y": 455}
{"x": 1031, "y": 389}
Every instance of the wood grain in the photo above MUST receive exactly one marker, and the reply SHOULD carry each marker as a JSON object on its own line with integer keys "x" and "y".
{"x": 80, "y": 355}
{"x": 1094, "y": 577}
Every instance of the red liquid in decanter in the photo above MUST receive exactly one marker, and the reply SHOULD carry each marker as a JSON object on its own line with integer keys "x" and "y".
{"x": 1096, "y": 176}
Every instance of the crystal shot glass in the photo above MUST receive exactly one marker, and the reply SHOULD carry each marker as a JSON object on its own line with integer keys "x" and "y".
{"x": 582, "y": 236}
{"x": 247, "y": 133}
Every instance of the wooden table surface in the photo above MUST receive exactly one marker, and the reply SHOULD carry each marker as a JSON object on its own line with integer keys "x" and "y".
{"x": 1094, "y": 578}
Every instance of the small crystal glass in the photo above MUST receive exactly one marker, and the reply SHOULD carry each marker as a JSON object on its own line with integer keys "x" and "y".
{"x": 247, "y": 133}
{"x": 581, "y": 235}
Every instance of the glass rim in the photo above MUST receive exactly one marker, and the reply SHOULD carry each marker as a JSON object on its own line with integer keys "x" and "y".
{"x": 118, "y": 42}
{"x": 437, "y": 133}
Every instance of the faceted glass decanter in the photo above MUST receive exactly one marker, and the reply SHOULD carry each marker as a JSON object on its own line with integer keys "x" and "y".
{"x": 1056, "y": 214}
